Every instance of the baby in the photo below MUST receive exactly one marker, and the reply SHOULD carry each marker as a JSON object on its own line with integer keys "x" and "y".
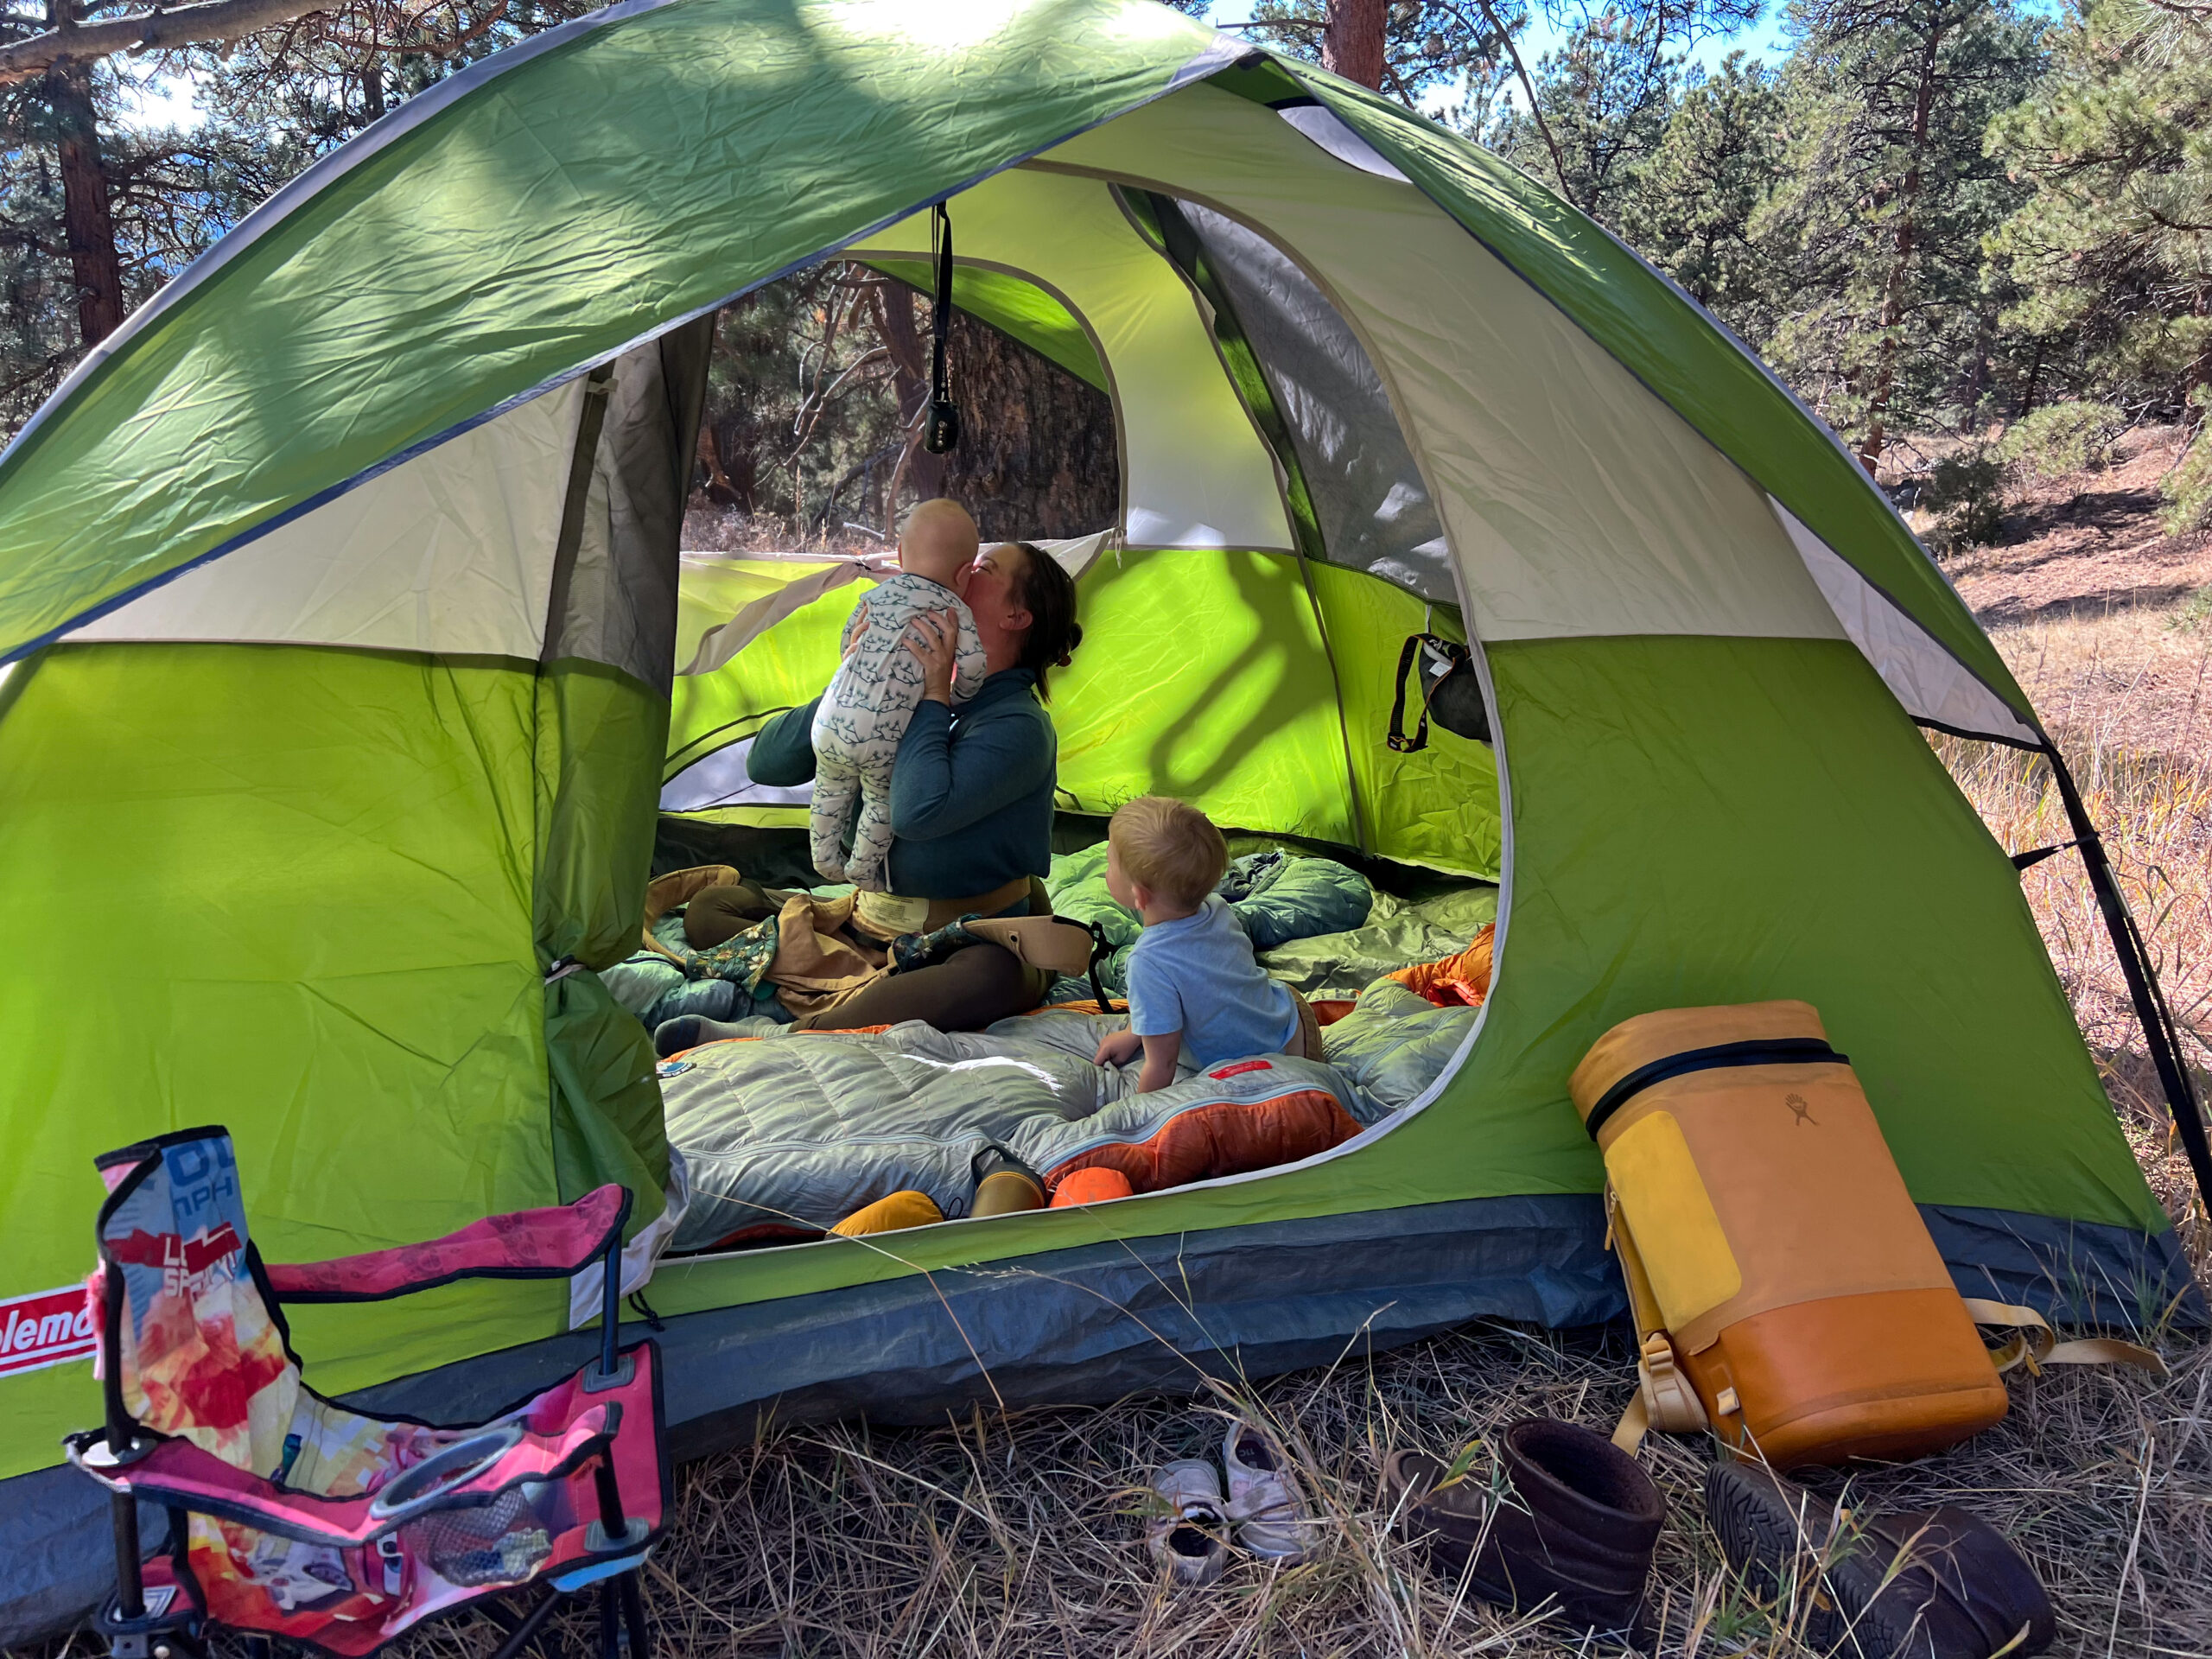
{"x": 1194, "y": 987}
{"x": 865, "y": 712}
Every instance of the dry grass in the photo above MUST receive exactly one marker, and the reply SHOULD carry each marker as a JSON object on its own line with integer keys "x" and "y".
{"x": 711, "y": 529}
{"x": 2120, "y": 679}
{"x": 1019, "y": 1534}
{"x": 2155, "y": 811}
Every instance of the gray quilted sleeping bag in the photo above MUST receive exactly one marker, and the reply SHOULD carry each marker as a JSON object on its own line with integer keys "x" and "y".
{"x": 803, "y": 1129}
{"x": 796, "y": 1131}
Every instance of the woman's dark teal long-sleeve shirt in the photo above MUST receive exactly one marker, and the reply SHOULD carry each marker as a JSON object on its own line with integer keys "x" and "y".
{"x": 971, "y": 789}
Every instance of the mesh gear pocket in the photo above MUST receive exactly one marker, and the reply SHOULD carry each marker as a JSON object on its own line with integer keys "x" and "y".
{"x": 500, "y": 1542}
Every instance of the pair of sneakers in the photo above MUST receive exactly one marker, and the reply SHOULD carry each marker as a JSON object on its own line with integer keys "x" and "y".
{"x": 1193, "y": 1517}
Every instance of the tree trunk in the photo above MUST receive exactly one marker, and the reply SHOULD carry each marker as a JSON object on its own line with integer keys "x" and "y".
{"x": 2193, "y": 410}
{"x": 1882, "y": 382}
{"x": 1037, "y": 453}
{"x": 1351, "y": 39}
{"x": 893, "y": 313}
{"x": 88, "y": 223}
{"x": 718, "y": 488}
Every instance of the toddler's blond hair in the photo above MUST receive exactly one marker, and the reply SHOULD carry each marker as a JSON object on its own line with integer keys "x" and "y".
{"x": 1170, "y": 847}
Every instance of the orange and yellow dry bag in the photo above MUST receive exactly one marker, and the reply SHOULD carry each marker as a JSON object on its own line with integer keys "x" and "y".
{"x": 1787, "y": 1292}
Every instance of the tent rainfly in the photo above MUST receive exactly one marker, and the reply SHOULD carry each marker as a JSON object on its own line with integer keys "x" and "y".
{"x": 340, "y": 594}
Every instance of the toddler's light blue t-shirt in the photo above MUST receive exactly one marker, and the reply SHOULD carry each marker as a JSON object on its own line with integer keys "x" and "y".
{"x": 1197, "y": 976}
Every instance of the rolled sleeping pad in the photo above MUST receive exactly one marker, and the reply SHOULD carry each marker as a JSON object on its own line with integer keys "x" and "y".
{"x": 889, "y": 1215}
{"x": 1764, "y": 1227}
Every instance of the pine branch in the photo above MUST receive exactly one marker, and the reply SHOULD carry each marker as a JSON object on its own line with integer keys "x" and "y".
{"x": 1528, "y": 88}
{"x": 211, "y": 22}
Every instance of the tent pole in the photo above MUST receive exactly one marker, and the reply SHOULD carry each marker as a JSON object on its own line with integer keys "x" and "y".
{"x": 2159, "y": 1031}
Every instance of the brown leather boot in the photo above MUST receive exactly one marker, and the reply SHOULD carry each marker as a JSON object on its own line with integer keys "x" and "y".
{"x": 1573, "y": 1521}
{"x": 1930, "y": 1583}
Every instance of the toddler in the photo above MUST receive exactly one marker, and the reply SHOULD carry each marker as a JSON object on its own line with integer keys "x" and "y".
{"x": 1194, "y": 987}
{"x": 865, "y": 712}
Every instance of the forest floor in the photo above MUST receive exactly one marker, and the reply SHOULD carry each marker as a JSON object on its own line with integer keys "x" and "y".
{"x": 1019, "y": 1533}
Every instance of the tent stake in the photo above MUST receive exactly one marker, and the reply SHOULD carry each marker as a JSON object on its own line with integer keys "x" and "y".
{"x": 2159, "y": 1030}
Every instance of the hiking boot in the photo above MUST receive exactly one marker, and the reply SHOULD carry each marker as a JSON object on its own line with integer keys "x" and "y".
{"x": 1576, "y": 1523}
{"x": 1264, "y": 1500}
{"x": 1927, "y": 1584}
{"x": 1190, "y": 1529}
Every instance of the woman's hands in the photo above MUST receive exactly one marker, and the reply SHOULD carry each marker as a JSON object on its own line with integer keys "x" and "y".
{"x": 934, "y": 639}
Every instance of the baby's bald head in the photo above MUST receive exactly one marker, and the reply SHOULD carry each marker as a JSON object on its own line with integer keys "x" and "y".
{"x": 940, "y": 540}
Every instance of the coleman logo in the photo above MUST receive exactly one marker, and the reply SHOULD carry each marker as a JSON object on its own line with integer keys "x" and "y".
{"x": 46, "y": 1328}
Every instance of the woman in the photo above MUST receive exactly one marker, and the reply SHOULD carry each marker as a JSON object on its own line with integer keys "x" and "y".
{"x": 971, "y": 796}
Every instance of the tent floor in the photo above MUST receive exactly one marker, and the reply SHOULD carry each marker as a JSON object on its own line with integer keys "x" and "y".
{"x": 1089, "y": 1326}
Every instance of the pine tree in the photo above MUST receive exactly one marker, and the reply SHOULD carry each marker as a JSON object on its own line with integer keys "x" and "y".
{"x": 2113, "y": 253}
{"x": 1603, "y": 99}
{"x": 1426, "y": 45}
{"x": 1691, "y": 210}
{"x": 1886, "y": 195}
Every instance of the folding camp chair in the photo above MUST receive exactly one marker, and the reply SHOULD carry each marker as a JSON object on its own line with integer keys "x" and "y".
{"x": 292, "y": 1517}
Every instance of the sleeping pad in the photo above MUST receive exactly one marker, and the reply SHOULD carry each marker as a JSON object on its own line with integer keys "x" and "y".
{"x": 1334, "y": 965}
{"x": 1277, "y": 896}
{"x": 786, "y": 1134}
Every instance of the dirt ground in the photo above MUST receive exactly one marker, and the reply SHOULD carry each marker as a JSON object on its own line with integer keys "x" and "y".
{"x": 2104, "y": 618}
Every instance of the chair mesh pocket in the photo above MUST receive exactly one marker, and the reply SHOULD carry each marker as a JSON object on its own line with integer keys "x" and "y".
{"x": 502, "y": 1542}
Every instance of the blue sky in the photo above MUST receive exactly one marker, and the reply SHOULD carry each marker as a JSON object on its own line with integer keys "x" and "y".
{"x": 169, "y": 103}
{"x": 1763, "y": 39}
{"x": 165, "y": 103}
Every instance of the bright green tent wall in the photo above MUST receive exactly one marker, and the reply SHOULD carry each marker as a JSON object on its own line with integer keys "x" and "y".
{"x": 1203, "y": 674}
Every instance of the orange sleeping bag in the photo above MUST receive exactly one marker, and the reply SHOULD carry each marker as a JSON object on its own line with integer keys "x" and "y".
{"x": 1464, "y": 978}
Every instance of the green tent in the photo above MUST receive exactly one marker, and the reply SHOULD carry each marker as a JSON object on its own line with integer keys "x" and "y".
{"x": 341, "y": 593}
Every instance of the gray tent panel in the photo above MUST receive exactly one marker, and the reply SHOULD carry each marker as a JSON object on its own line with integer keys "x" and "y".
{"x": 613, "y": 598}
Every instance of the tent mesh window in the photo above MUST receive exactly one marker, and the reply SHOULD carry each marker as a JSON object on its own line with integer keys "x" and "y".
{"x": 1370, "y": 507}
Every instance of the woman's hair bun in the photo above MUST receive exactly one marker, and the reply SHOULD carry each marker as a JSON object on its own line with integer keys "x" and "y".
{"x": 1054, "y": 633}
